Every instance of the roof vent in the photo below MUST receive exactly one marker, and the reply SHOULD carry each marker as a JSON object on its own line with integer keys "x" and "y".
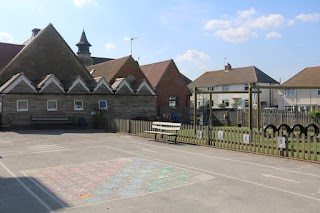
{"x": 227, "y": 67}
{"x": 35, "y": 31}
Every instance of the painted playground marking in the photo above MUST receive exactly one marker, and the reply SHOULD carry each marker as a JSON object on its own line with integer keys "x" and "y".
{"x": 95, "y": 182}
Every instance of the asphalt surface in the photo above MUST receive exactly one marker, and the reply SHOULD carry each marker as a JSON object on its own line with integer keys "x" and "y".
{"x": 86, "y": 171}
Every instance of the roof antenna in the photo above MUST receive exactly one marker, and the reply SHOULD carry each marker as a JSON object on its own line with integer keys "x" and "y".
{"x": 131, "y": 41}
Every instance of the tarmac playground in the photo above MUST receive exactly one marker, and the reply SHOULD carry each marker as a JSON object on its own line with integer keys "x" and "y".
{"x": 85, "y": 171}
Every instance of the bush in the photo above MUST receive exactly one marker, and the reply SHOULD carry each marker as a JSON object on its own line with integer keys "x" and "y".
{"x": 315, "y": 116}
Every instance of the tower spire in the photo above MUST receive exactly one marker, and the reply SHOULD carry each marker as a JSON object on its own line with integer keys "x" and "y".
{"x": 84, "y": 50}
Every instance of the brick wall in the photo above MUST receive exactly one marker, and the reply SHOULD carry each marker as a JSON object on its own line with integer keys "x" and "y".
{"x": 119, "y": 106}
{"x": 171, "y": 84}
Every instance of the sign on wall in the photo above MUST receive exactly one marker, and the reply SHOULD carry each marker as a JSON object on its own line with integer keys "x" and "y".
{"x": 281, "y": 142}
{"x": 220, "y": 135}
{"x": 246, "y": 138}
{"x": 199, "y": 134}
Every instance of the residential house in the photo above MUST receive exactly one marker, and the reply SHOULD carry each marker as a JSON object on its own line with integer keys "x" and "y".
{"x": 301, "y": 99}
{"x": 233, "y": 79}
{"x": 43, "y": 77}
{"x": 173, "y": 94}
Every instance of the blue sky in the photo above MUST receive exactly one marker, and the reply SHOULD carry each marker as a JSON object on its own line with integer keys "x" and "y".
{"x": 279, "y": 37}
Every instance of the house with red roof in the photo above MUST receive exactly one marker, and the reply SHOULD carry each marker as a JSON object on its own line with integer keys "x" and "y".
{"x": 43, "y": 77}
{"x": 173, "y": 94}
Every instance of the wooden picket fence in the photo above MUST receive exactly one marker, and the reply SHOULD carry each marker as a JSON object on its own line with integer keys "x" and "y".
{"x": 233, "y": 138}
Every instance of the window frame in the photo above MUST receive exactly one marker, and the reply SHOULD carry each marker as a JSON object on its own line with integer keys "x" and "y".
{"x": 173, "y": 99}
{"x": 51, "y": 109}
{"x": 74, "y": 105}
{"x": 290, "y": 93}
{"x": 103, "y": 108}
{"x": 22, "y": 110}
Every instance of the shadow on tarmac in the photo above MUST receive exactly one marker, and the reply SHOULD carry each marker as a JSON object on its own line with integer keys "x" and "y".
{"x": 15, "y": 198}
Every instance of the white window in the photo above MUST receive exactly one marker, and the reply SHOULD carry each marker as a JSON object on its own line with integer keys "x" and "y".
{"x": 173, "y": 102}
{"x": 78, "y": 105}
{"x": 289, "y": 92}
{"x": 52, "y": 105}
{"x": 22, "y": 105}
{"x": 226, "y": 102}
{"x": 103, "y": 104}
{"x": 225, "y": 87}
{"x": 246, "y": 87}
{"x": 210, "y": 88}
{"x": 288, "y": 108}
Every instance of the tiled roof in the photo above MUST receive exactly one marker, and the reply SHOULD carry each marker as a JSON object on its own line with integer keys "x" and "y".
{"x": 155, "y": 71}
{"x": 242, "y": 75}
{"x": 98, "y": 60}
{"x": 185, "y": 79}
{"x": 108, "y": 69}
{"x": 47, "y": 53}
{"x": 83, "y": 40}
{"x": 307, "y": 77}
{"x": 8, "y": 52}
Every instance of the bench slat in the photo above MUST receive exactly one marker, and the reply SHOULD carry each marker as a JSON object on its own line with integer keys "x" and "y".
{"x": 162, "y": 133}
{"x": 166, "y": 123}
{"x": 165, "y": 127}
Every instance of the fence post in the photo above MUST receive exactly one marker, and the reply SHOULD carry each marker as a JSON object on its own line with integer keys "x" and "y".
{"x": 208, "y": 135}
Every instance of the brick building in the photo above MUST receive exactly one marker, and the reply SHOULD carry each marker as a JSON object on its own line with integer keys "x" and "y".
{"x": 173, "y": 94}
{"x": 43, "y": 77}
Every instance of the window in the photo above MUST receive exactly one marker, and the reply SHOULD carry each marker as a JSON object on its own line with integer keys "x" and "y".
{"x": 103, "y": 104}
{"x": 289, "y": 92}
{"x": 319, "y": 92}
{"x": 52, "y": 105}
{"x": 246, "y": 103}
{"x": 225, "y": 87}
{"x": 22, "y": 105}
{"x": 246, "y": 87}
{"x": 226, "y": 102}
{"x": 210, "y": 88}
{"x": 288, "y": 108}
{"x": 173, "y": 102}
{"x": 78, "y": 105}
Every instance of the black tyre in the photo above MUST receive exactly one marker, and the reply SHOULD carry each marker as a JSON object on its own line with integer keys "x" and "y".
{"x": 285, "y": 127}
{"x": 268, "y": 127}
{"x": 313, "y": 127}
{"x": 300, "y": 128}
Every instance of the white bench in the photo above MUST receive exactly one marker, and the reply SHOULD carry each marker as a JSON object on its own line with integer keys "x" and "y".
{"x": 165, "y": 128}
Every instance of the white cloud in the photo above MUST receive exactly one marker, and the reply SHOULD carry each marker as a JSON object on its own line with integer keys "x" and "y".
{"x": 213, "y": 24}
{"x": 236, "y": 35}
{"x": 6, "y": 37}
{"x": 82, "y": 3}
{"x": 291, "y": 22}
{"x": 244, "y": 14}
{"x": 310, "y": 17}
{"x": 192, "y": 55}
{"x": 109, "y": 46}
{"x": 273, "y": 35}
{"x": 267, "y": 22}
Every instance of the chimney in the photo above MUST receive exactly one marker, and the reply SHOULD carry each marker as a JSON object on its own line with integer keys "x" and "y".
{"x": 227, "y": 67}
{"x": 35, "y": 31}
